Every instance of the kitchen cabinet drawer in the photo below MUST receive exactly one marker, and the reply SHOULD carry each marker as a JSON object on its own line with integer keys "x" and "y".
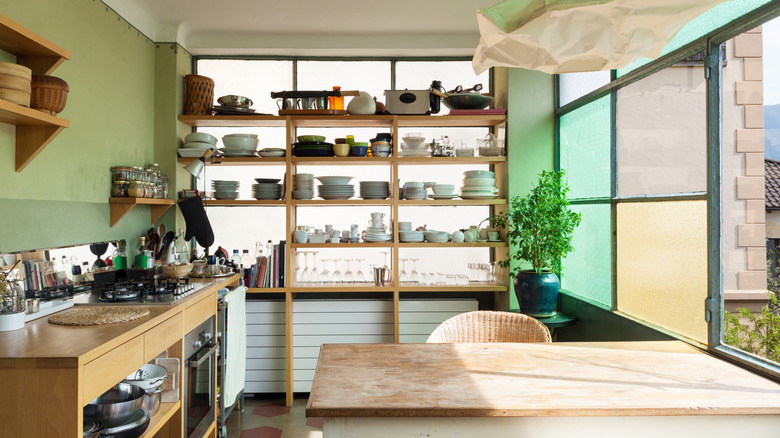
{"x": 110, "y": 368}
{"x": 199, "y": 312}
{"x": 162, "y": 336}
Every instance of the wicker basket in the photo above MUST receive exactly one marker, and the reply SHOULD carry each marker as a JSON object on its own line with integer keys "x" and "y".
{"x": 177, "y": 271}
{"x": 198, "y": 94}
{"x": 49, "y": 94}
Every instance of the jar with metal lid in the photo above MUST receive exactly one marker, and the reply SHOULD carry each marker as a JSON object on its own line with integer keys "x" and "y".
{"x": 119, "y": 189}
{"x": 136, "y": 189}
{"x": 121, "y": 173}
{"x": 164, "y": 179}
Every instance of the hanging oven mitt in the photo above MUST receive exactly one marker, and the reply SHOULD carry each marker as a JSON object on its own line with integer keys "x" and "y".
{"x": 198, "y": 224}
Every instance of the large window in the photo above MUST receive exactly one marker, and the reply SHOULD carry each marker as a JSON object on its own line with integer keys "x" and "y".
{"x": 667, "y": 164}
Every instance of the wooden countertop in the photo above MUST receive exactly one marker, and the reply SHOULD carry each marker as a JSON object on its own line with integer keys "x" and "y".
{"x": 667, "y": 378}
{"x": 41, "y": 344}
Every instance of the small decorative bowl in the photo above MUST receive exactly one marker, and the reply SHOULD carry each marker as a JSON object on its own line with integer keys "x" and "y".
{"x": 235, "y": 101}
{"x": 359, "y": 151}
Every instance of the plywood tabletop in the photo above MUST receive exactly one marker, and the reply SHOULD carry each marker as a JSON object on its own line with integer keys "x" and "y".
{"x": 518, "y": 380}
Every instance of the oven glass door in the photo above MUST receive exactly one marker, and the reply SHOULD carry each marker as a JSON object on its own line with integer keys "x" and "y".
{"x": 200, "y": 390}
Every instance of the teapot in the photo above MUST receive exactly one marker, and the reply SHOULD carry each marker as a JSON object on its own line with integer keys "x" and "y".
{"x": 362, "y": 104}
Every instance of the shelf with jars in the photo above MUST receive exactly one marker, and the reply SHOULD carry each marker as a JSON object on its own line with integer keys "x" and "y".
{"x": 131, "y": 186}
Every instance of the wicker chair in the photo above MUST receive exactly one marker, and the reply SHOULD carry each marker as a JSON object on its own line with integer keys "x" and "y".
{"x": 489, "y": 326}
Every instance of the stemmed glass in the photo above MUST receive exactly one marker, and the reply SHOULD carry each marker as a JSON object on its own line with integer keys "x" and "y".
{"x": 403, "y": 276}
{"x": 335, "y": 276}
{"x": 314, "y": 274}
{"x": 299, "y": 260}
{"x": 360, "y": 276}
{"x": 414, "y": 276}
{"x": 325, "y": 272}
{"x": 305, "y": 274}
{"x": 349, "y": 277}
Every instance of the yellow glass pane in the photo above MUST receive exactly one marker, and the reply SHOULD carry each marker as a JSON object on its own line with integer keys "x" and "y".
{"x": 662, "y": 264}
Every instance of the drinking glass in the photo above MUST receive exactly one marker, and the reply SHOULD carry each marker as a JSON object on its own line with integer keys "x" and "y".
{"x": 325, "y": 274}
{"x": 403, "y": 276}
{"x": 414, "y": 276}
{"x": 299, "y": 261}
{"x": 360, "y": 276}
{"x": 335, "y": 276}
{"x": 314, "y": 275}
{"x": 306, "y": 269}
{"x": 349, "y": 276}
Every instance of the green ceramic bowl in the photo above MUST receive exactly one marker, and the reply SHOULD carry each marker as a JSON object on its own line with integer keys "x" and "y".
{"x": 311, "y": 138}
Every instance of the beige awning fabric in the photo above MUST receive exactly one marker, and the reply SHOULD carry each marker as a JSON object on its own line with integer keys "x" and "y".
{"x": 563, "y": 36}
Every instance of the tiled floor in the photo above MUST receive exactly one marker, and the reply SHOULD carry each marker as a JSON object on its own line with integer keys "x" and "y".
{"x": 269, "y": 418}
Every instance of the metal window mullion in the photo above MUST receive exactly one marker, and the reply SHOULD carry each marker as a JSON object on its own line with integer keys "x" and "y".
{"x": 713, "y": 309}
{"x": 613, "y": 187}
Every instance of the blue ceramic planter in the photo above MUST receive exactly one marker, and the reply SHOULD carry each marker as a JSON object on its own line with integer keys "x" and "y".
{"x": 537, "y": 293}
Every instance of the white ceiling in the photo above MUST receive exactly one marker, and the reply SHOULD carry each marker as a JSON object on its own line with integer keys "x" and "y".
{"x": 310, "y": 27}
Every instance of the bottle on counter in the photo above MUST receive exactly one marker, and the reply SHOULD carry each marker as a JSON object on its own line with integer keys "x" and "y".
{"x": 120, "y": 257}
{"x": 182, "y": 249}
{"x": 246, "y": 259}
{"x": 235, "y": 259}
{"x": 75, "y": 268}
{"x": 258, "y": 250}
{"x": 66, "y": 267}
{"x": 140, "y": 260}
{"x": 336, "y": 103}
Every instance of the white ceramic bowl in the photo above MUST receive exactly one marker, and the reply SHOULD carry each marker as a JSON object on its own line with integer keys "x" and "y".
{"x": 247, "y": 143}
{"x": 201, "y": 137}
{"x": 340, "y": 180}
{"x": 303, "y": 176}
{"x": 241, "y": 135}
{"x": 413, "y": 146}
{"x": 479, "y": 182}
{"x": 479, "y": 174}
{"x": 443, "y": 189}
{"x": 417, "y": 184}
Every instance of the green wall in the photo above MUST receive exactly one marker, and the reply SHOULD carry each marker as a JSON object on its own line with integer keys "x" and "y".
{"x": 531, "y": 132}
{"x": 61, "y": 198}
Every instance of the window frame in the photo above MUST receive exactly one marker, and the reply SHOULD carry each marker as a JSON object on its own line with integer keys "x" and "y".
{"x": 711, "y": 44}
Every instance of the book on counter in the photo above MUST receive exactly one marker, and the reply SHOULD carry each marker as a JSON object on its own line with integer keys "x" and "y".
{"x": 268, "y": 270}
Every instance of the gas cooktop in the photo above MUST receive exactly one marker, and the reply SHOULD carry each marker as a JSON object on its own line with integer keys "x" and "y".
{"x": 145, "y": 291}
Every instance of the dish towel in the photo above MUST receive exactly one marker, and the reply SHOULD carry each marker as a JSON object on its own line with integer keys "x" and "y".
{"x": 235, "y": 345}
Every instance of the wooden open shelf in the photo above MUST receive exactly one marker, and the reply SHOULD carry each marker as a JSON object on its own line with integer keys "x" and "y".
{"x": 237, "y": 161}
{"x": 121, "y": 206}
{"x": 34, "y": 129}
{"x": 243, "y": 202}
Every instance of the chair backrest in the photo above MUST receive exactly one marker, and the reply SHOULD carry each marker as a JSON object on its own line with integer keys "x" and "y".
{"x": 490, "y": 326}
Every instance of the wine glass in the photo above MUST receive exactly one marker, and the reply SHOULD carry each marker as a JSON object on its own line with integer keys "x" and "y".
{"x": 306, "y": 270}
{"x": 414, "y": 276}
{"x": 299, "y": 260}
{"x": 325, "y": 272}
{"x": 349, "y": 276}
{"x": 335, "y": 276}
{"x": 403, "y": 276}
{"x": 314, "y": 274}
{"x": 360, "y": 276}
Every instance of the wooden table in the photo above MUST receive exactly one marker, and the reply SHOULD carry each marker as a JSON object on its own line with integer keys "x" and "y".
{"x": 612, "y": 389}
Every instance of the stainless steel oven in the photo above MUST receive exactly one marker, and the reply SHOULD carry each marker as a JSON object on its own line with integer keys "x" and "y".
{"x": 199, "y": 379}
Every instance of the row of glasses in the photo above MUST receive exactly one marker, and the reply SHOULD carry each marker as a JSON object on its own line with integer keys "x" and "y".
{"x": 488, "y": 273}
{"x": 409, "y": 277}
{"x": 307, "y": 273}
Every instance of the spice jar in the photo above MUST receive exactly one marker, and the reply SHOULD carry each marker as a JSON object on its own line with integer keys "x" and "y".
{"x": 119, "y": 189}
{"x": 121, "y": 173}
{"x": 136, "y": 189}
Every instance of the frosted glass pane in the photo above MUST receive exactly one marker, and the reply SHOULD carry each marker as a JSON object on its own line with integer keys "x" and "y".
{"x": 240, "y": 76}
{"x": 662, "y": 264}
{"x": 585, "y": 149}
{"x": 701, "y": 25}
{"x": 588, "y": 270}
{"x": 575, "y": 85}
{"x": 372, "y": 77}
{"x": 661, "y": 134}
{"x": 418, "y": 75}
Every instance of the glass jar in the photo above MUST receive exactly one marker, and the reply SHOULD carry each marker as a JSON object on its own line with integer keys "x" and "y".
{"x": 121, "y": 173}
{"x": 164, "y": 179}
{"x": 136, "y": 189}
{"x": 119, "y": 189}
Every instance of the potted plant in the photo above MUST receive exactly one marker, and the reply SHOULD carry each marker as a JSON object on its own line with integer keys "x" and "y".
{"x": 539, "y": 227}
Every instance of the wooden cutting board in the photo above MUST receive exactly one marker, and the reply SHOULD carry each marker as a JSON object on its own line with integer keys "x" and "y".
{"x": 98, "y": 315}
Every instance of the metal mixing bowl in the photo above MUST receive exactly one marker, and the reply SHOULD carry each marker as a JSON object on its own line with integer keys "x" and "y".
{"x": 467, "y": 101}
{"x": 235, "y": 101}
{"x": 117, "y": 405}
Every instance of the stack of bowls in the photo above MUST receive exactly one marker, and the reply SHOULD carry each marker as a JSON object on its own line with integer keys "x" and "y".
{"x": 267, "y": 189}
{"x": 434, "y": 236}
{"x": 380, "y": 148}
{"x": 303, "y": 186}
{"x": 415, "y": 190}
{"x": 413, "y": 145}
{"x": 196, "y": 144}
{"x": 443, "y": 191}
{"x": 479, "y": 184}
{"x": 225, "y": 189}
{"x": 312, "y": 146}
{"x": 374, "y": 189}
{"x": 335, "y": 187}
{"x": 239, "y": 145}
{"x": 411, "y": 236}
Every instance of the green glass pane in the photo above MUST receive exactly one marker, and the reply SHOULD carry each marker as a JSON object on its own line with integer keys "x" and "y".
{"x": 588, "y": 270}
{"x": 585, "y": 149}
{"x": 702, "y": 25}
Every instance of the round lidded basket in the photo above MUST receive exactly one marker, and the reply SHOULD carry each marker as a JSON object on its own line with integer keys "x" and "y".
{"x": 49, "y": 94}
{"x": 198, "y": 94}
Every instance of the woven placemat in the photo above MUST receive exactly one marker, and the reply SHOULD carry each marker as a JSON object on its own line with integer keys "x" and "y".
{"x": 98, "y": 315}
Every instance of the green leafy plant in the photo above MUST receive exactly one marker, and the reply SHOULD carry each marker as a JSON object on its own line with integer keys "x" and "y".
{"x": 540, "y": 225}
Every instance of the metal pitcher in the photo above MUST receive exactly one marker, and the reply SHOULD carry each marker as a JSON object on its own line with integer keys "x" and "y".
{"x": 381, "y": 275}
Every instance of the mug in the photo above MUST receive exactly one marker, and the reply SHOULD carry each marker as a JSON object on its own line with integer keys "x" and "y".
{"x": 319, "y": 231}
{"x": 405, "y": 226}
{"x": 376, "y": 224}
{"x": 354, "y": 230}
{"x": 308, "y": 103}
{"x": 328, "y": 228}
{"x": 377, "y": 216}
{"x": 335, "y": 238}
{"x": 381, "y": 276}
{"x": 493, "y": 235}
{"x": 213, "y": 269}
{"x": 287, "y": 104}
{"x": 304, "y": 228}
{"x": 346, "y": 234}
{"x": 301, "y": 236}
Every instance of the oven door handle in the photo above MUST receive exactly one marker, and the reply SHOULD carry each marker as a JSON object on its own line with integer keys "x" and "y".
{"x": 196, "y": 363}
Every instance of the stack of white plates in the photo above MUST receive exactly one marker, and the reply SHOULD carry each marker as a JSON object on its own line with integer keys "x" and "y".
{"x": 414, "y": 145}
{"x": 303, "y": 186}
{"x": 479, "y": 184}
{"x": 335, "y": 187}
{"x": 411, "y": 236}
{"x": 374, "y": 189}
{"x": 225, "y": 189}
{"x": 415, "y": 190}
{"x": 377, "y": 234}
{"x": 272, "y": 152}
{"x": 230, "y": 152}
{"x": 267, "y": 189}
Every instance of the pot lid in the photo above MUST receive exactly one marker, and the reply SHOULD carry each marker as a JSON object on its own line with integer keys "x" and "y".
{"x": 91, "y": 426}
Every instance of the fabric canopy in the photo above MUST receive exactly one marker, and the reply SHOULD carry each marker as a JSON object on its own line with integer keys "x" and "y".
{"x": 562, "y": 36}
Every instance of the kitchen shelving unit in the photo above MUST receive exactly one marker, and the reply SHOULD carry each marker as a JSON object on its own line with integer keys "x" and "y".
{"x": 384, "y": 122}
{"x": 34, "y": 129}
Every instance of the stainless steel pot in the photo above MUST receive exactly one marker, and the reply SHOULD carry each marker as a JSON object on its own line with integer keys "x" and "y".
{"x": 152, "y": 400}
{"x": 115, "y": 406}
{"x": 134, "y": 427}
